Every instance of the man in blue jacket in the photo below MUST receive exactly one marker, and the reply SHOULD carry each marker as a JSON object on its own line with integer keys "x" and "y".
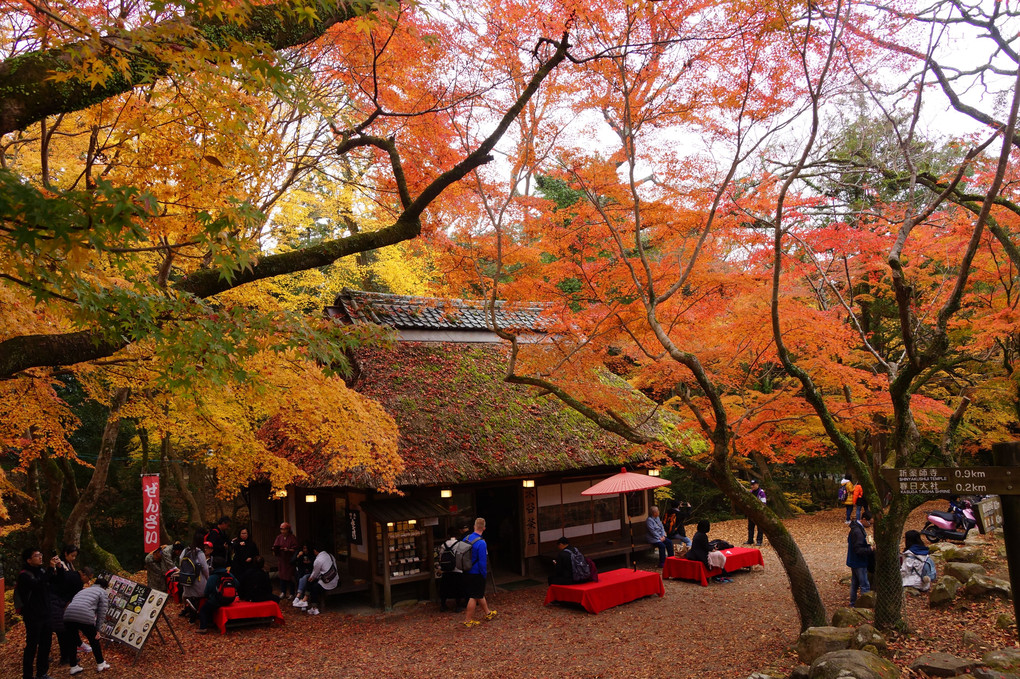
{"x": 474, "y": 578}
{"x": 858, "y": 556}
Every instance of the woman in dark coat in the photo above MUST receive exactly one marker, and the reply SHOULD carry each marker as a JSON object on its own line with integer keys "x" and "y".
{"x": 242, "y": 553}
{"x": 66, "y": 583}
{"x": 34, "y": 582}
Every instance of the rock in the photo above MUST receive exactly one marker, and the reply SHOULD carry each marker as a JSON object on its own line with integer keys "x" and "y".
{"x": 817, "y": 641}
{"x": 851, "y": 664}
{"x": 866, "y": 600}
{"x": 1004, "y": 621}
{"x": 870, "y": 648}
{"x": 986, "y": 585}
{"x": 851, "y": 617}
{"x": 1004, "y": 659}
{"x": 943, "y": 591}
{"x": 989, "y": 673}
{"x": 913, "y": 591}
{"x": 971, "y": 638}
{"x": 961, "y": 570}
{"x": 951, "y": 552}
{"x": 801, "y": 672}
{"x": 942, "y": 665}
{"x": 866, "y": 635}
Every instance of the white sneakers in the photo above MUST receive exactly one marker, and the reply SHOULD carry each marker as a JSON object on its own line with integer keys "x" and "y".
{"x": 84, "y": 648}
{"x": 313, "y": 610}
{"x": 78, "y": 669}
{"x": 300, "y": 603}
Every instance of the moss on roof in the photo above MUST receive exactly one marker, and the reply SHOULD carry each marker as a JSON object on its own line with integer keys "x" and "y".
{"x": 460, "y": 422}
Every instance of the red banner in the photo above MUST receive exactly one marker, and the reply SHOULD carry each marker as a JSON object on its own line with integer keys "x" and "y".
{"x": 150, "y": 511}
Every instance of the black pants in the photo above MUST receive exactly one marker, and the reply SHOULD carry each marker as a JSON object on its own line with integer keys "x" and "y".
{"x": 89, "y": 632}
{"x": 451, "y": 586}
{"x": 750, "y": 532}
{"x": 67, "y": 640}
{"x": 38, "y": 638}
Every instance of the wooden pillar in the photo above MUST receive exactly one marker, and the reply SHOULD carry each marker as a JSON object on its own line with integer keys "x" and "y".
{"x": 1008, "y": 455}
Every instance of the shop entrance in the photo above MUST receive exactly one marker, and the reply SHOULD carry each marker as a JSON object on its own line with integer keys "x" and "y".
{"x": 500, "y": 507}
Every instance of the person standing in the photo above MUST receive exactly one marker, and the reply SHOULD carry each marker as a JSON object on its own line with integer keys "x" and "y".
{"x": 217, "y": 535}
{"x": 451, "y": 578}
{"x": 859, "y": 501}
{"x": 859, "y": 555}
{"x": 474, "y": 579}
{"x": 656, "y": 535}
{"x": 159, "y": 561}
{"x": 33, "y": 588}
{"x": 67, "y": 581}
{"x": 284, "y": 547}
{"x": 846, "y": 487}
{"x": 198, "y": 555}
{"x": 243, "y": 551}
{"x": 758, "y": 492}
{"x": 84, "y": 615}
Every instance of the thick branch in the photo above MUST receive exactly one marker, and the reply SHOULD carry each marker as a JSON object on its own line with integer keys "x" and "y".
{"x": 28, "y": 94}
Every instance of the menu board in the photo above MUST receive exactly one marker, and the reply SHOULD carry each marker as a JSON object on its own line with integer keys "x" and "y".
{"x": 131, "y": 611}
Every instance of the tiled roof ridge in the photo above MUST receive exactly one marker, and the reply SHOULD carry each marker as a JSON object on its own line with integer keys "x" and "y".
{"x": 409, "y": 311}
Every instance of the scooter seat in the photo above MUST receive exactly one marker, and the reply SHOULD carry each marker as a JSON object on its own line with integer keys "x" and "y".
{"x": 947, "y": 516}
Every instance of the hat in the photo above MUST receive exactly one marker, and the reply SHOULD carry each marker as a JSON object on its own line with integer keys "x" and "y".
{"x": 754, "y": 482}
{"x": 284, "y": 526}
{"x": 208, "y": 544}
{"x": 563, "y": 541}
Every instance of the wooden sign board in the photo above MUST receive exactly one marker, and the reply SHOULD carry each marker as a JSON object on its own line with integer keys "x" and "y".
{"x": 955, "y": 480}
{"x": 131, "y": 611}
{"x": 989, "y": 514}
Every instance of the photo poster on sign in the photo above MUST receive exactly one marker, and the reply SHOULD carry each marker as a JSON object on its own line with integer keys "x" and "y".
{"x": 131, "y": 612}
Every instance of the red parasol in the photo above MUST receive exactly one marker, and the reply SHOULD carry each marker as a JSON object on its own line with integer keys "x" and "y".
{"x": 625, "y": 482}
{"x": 622, "y": 483}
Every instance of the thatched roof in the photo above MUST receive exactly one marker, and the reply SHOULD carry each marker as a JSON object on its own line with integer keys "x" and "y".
{"x": 460, "y": 422}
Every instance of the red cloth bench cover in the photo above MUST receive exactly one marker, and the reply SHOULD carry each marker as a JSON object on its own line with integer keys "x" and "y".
{"x": 613, "y": 588}
{"x": 736, "y": 557}
{"x": 241, "y": 610}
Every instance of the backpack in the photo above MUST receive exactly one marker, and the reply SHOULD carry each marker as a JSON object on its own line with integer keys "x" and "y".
{"x": 579, "y": 565}
{"x": 842, "y": 493}
{"x": 187, "y": 575}
{"x": 447, "y": 558}
{"x": 670, "y": 523}
{"x": 226, "y": 589}
{"x": 462, "y": 553}
{"x": 19, "y": 600}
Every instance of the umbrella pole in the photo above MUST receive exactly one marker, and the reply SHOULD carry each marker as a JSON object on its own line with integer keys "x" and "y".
{"x": 630, "y": 530}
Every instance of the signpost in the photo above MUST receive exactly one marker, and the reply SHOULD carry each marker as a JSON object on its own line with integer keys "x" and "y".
{"x": 955, "y": 480}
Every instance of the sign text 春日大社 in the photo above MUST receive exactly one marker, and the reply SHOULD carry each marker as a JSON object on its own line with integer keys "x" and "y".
{"x": 958, "y": 480}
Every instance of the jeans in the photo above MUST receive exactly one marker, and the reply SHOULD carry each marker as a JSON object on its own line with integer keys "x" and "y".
{"x": 302, "y": 583}
{"x": 665, "y": 547}
{"x": 89, "y": 632}
{"x": 38, "y": 637}
{"x": 684, "y": 539}
{"x": 849, "y": 512}
{"x": 858, "y": 580}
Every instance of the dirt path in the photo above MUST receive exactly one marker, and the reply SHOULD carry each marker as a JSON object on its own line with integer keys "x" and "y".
{"x": 725, "y": 631}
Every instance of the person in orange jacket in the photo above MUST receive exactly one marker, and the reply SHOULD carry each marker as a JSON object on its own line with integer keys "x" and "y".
{"x": 859, "y": 500}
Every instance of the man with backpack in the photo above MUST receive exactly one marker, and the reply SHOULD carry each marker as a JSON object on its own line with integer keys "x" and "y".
{"x": 570, "y": 565}
{"x": 475, "y": 574}
{"x": 759, "y": 493}
{"x": 451, "y": 578}
{"x": 217, "y": 535}
{"x": 32, "y": 600}
{"x": 220, "y": 591}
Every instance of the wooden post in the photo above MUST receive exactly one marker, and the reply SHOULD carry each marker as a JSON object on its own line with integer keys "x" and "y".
{"x": 1008, "y": 455}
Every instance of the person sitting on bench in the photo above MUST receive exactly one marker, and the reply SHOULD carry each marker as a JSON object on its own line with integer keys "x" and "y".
{"x": 564, "y": 573}
{"x": 701, "y": 551}
{"x": 254, "y": 582}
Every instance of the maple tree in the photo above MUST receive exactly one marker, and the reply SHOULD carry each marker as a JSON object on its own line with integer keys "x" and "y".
{"x": 156, "y": 161}
{"x": 760, "y": 291}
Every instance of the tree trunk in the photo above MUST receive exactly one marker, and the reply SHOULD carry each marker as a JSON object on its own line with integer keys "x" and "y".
{"x": 51, "y": 512}
{"x": 102, "y": 560}
{"x": 194, "y": 511}
{"x": 888, "y": 585}
{"x": 87, "y": 499}
{"x": 802, "y": 584}
{"x": 777, "y": 500}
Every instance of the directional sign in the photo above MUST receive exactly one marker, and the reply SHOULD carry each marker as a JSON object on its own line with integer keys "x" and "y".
{"x": 950, "y": 480}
